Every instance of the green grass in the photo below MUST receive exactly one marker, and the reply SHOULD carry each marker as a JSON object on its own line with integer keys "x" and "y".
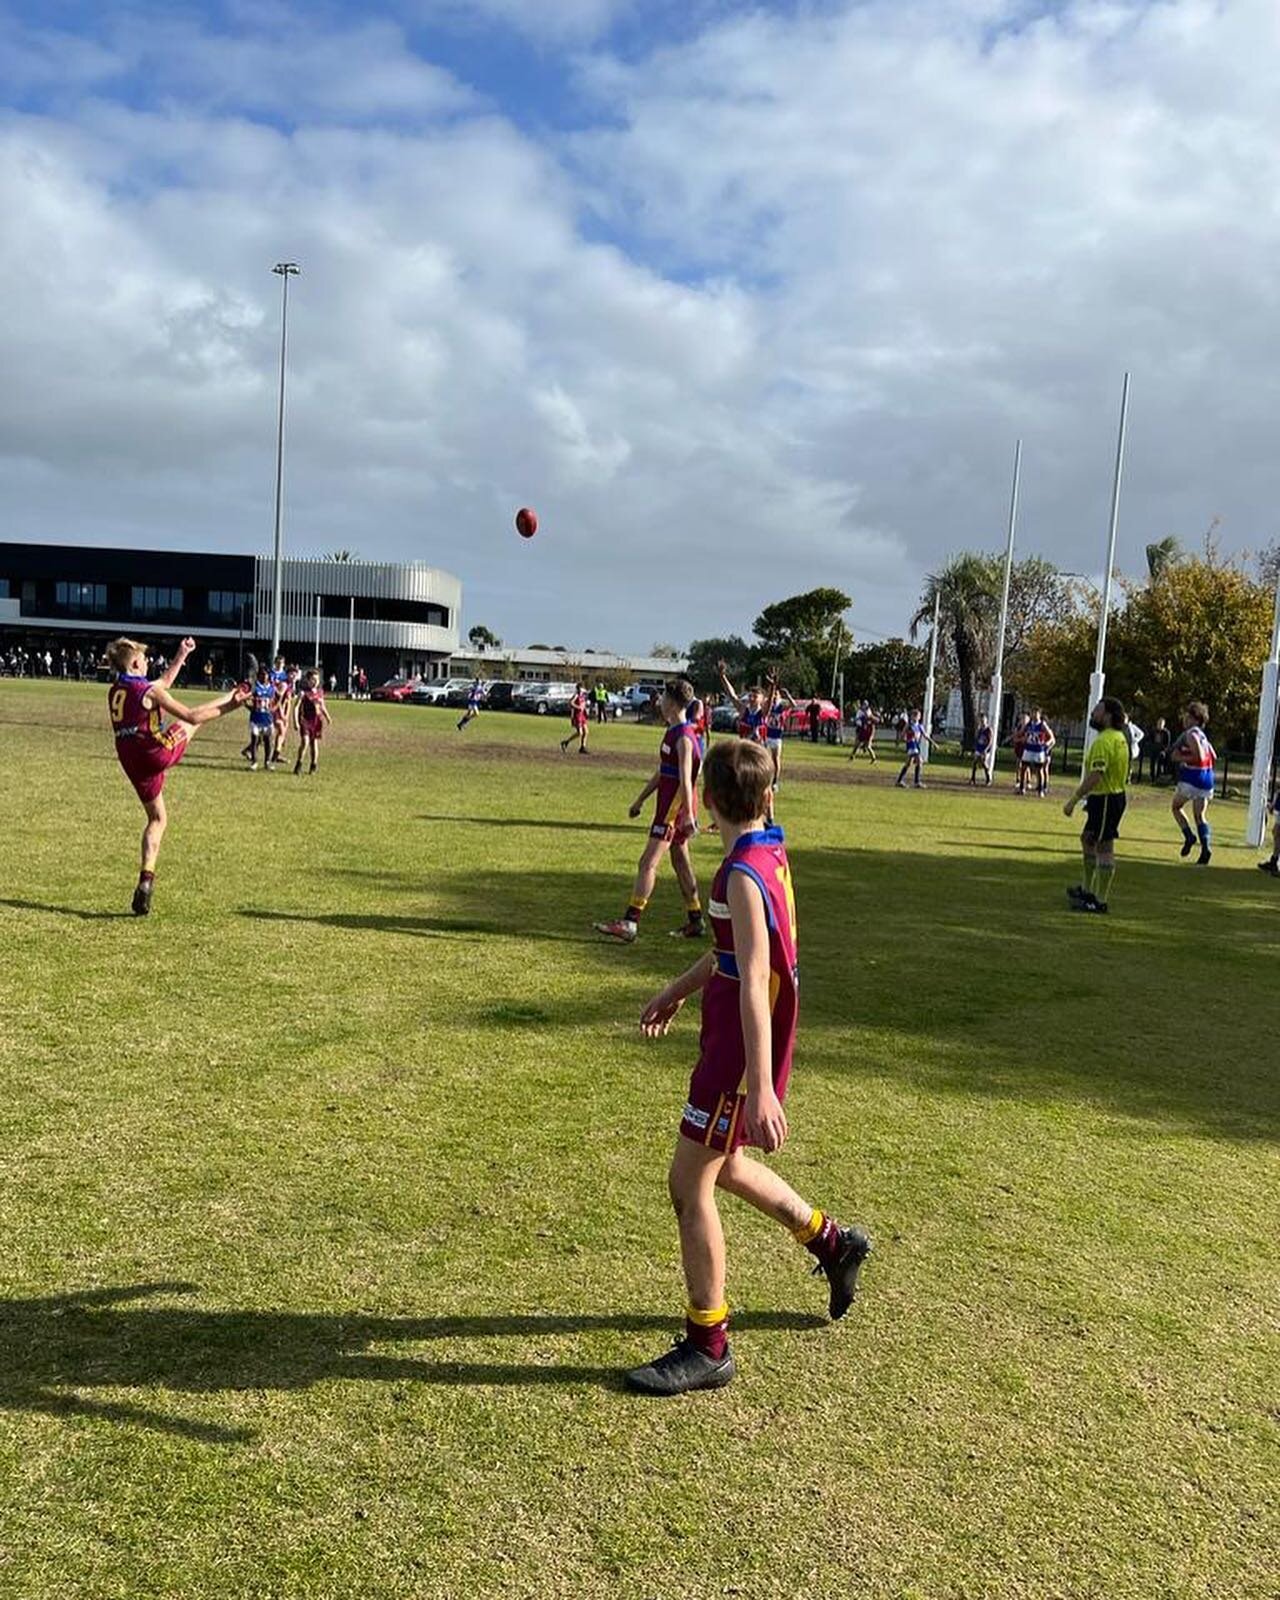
{"x": 333, "y": 1195}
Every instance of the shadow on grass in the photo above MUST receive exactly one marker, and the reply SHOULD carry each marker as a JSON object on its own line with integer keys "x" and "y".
{"x": 414, "y": 927}
{"x": 53, "y": 1347}
{"x": 568, "y": 825}
{"x": 66, "y": 911}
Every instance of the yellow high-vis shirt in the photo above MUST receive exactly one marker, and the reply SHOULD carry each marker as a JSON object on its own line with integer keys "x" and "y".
{"x": 1109, "y": 755}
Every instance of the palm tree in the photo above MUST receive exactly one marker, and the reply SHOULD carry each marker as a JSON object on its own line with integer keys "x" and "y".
{"x": 968, "y": 594}
{"x": 1163, "y": 555}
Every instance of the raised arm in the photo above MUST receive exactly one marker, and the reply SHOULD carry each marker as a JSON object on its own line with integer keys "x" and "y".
{"x": 169, "y": 676}
{"x": 728, "y": 687}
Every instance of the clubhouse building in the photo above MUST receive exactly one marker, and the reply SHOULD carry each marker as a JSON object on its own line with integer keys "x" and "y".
{"x": 385, "y": 617}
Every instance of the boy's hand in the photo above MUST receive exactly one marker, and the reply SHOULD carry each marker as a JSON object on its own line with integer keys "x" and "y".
{"x": 186, "y": 647}
{"x": 240, "y": 694}
{"x": 659, "y": 1014}
{"x": 1069, "y": 807}
{"x": 766, "y": 1120}
{"x": 636, "y": 809}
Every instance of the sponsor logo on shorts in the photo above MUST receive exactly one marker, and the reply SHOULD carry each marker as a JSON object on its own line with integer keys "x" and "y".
{"x": 695, "y": 1117}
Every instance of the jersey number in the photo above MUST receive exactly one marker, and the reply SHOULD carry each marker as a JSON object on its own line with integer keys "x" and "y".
{"x": 784, "y": 878}
{"x": 118, "y": 698}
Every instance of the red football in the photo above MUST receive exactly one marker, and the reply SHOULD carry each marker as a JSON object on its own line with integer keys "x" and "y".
{"x": 526, "y": 522}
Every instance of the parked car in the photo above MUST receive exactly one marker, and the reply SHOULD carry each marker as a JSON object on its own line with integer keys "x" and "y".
{"x": 543, "y": 699}
{"x": 498, "y": 695}
{"x": 395, "y": 689}
{"x": 795, "y": 721}
{"x": 724, "y": 719}
{"x": 435, "y": 691}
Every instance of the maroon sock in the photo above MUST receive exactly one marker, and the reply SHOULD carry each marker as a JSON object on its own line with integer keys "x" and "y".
{"x": 713, "y": 1341}
{"x": 633, "y": 913}
{"x": 825, "y": 1244}
{"x": 145, "y": 877}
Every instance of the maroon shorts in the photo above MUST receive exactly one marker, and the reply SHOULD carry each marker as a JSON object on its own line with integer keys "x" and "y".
{"x": 678, "y": 832}
{"x": 311, "y": 730}
{"x": 579, "y": 720}
{"x": 715, "y": 1112}
{"x": 147, "y": 766}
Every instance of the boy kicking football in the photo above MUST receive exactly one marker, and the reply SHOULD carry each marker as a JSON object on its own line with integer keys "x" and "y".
{"x": 748, "y": 988}
{"x": 147, "y": 745}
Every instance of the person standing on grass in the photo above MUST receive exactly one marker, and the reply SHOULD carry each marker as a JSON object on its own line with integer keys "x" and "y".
{"x": 1038, "y": 740}
{"x": 282, "y": 711}
{"x": 773, "y": 729}
{"x": 1193, "y": 757}
{"x": 312, "y": 718}
{"x": 675, "y": 822}
{"x": 864, "y": 732}
{"x": 262, "y": 700}
{"x": 916, "y": 738}
{"x": 736, "y": 1093}
{"x": 1018, "y": 744}
{"x": 579, "y": 721}
{"x": 475, "y": 699}
{"x": 984, "y": 752}
{"x": 1103, "y": 790}
{"x": 147, "y": 745}
{"x": 600, "y": 696}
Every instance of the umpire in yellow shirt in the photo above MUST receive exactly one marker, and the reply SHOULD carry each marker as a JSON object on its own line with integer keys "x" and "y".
{"x": 1103, "y": 791}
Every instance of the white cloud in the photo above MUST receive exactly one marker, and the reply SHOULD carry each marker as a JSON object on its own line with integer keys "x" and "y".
{"x": 857, "y": 252}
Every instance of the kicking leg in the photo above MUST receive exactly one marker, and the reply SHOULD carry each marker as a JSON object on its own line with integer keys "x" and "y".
{"x": 839, "y": 1252}
{"x": 152, "y": 835}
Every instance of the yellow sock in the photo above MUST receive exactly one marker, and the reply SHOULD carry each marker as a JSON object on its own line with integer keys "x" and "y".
{"x": 811, "y": 1229}
{"x": 707, "y": 1319}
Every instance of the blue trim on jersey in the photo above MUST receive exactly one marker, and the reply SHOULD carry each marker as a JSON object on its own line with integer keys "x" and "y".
{"x": 1197, "y": 778}
{"x": 750, "y": 872}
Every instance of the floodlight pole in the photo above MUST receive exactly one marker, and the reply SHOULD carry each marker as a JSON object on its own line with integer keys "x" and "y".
{"x": 287, "y": 270}
{"x": 997, "y": 677}
{"x": 929, "y": 682}
{"x": 351, "y": 648}
{"x": 1264, "y": 748}
{"x": 1098, "y": 681}
{"x": 317, "y": 633}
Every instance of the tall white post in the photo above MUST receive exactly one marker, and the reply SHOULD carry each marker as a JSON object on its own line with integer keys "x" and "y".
{"x": 287, "y": 270}
{"x": 929, "y": 682}
{"x": 1098, "y": 680}
{"x": 317, "y": 662}
{"x": 997, "y": 677}
{"x": 351, "y": 644}
{"x": 1259, "y": 787}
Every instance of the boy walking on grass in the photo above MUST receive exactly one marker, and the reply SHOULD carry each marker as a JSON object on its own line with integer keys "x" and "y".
{"x": 748, "y": 988}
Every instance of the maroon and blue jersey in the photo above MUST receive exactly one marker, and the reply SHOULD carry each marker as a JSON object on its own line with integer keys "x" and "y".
{"x": 147, "y": 747}
{"x": 311, "y": 707}
{"x": 751, "y": 723}
{"x": 914, "y": 737}
{"x": 1035, "y": 740}
{"x": 717, "y": 1093}
{"x": 670, "y": 808}
{"x": 1195, "y": 768}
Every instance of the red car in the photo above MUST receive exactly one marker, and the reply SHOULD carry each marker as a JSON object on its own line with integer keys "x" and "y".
{"x": 395, "y": 689}
{"x": 795, "y": 719}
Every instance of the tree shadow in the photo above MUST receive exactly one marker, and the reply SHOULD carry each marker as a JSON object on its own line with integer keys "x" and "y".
{"x": 79, "y": 912}
{"x": 52, "y": 1348}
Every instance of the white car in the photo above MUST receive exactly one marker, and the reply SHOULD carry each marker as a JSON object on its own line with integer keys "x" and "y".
{"x": 431, "y": 691}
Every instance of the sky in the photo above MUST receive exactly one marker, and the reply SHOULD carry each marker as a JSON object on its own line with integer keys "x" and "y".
{"x": 742, "y": 298}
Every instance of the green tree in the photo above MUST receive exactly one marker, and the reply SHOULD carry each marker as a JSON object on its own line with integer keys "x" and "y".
{"x": 794, "y": 670}
{"x": 483, "y": 638}
{"x": 968, "y": 589}
{"x": 704, "y": 654}
{"x": 1162, "y": 555}
{"x": 891, "y": 675}
{"x": 666, "y": 652}
{"x": 805, "y": 622}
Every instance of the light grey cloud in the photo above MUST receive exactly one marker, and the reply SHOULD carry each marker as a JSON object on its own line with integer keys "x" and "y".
{"x": 855, "y": 253}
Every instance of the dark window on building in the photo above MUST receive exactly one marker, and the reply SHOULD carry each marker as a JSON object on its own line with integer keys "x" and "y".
{"x": 4, "y": 588}
{"x": 227, "y": 602}
{"x": 80, "y": 599}
{"x": 149, "y": 601}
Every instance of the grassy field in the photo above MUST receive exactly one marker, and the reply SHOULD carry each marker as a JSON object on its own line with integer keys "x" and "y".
{"x": 333, "y": 1194}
